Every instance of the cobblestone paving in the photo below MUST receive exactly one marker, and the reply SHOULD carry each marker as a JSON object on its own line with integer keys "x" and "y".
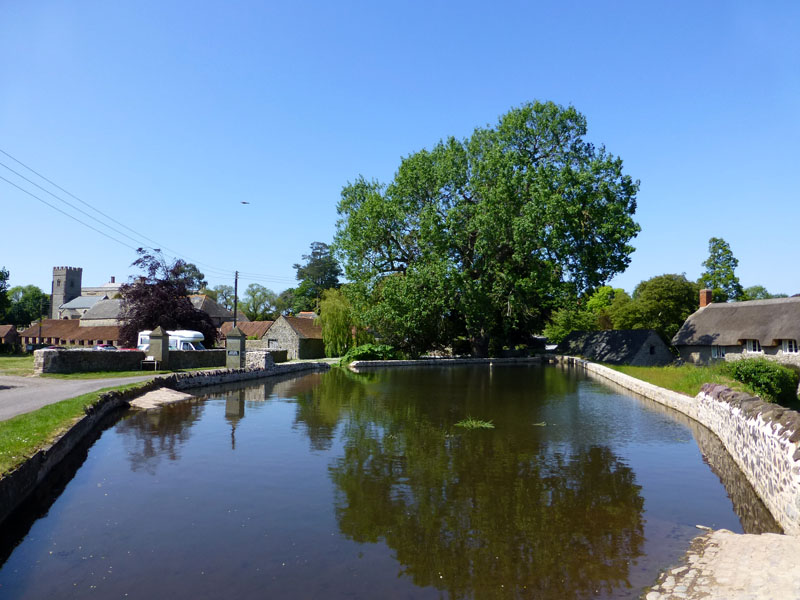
{"x": 722, "y": 565}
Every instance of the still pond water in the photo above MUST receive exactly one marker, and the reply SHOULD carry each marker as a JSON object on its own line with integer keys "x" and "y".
{"x": 339, "y": 485}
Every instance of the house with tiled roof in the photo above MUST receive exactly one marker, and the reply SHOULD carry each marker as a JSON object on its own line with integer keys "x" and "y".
{"x": 9, "y": 338}
{"x": 68, "y": 332}
{"x": 77, "y": 307}
{"x": 218, "y": 313}
{"x": 301, "y": 337}
{"x": 251, "y": 329}
{"x": 734, "y": 330}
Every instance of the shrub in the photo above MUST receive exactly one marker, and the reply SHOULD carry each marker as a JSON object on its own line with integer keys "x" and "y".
{"x": 370, "y": 352}
{"x": 771, "y": 381}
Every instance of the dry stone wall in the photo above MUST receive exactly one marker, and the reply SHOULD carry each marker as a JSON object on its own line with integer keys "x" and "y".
{"x": 762, "y": 438}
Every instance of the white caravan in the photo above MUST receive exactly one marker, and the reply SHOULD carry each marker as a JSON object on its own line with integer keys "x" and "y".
{"x": 179, "y": 339}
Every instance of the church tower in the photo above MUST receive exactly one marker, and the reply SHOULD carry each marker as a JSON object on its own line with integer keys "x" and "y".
{"x": 66, "y": 287}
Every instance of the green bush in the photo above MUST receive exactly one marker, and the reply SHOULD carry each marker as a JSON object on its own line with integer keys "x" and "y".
{"x": 370, "y": 352}
{"x": 771, "y": 381}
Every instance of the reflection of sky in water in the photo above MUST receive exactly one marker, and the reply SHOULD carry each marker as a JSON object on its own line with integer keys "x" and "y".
{"x": 332, "y": 485}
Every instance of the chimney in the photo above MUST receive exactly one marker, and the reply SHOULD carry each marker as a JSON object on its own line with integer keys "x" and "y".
{"x": 113, "y": 279}
{"x": 706, "y": 297}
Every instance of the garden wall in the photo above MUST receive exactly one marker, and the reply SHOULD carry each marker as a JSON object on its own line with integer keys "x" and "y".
{"x": 762, "y": 438}
{"x": 79, "y": 360}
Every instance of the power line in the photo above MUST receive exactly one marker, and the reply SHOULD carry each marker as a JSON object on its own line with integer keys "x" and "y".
{"x": 66, "y": 213}
{"x": 214, "y": 271}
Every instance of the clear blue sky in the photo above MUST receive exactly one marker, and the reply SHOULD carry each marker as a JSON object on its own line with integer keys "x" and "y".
{"x": 166, "y": 115}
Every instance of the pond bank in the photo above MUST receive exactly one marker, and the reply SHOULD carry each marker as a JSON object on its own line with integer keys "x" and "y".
{"x": 19, "y": 484}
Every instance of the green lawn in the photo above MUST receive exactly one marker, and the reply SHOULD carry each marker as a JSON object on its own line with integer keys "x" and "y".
{"x": 23, "y": 435}
{"x": 686, "y": 379}
{"x": 16, "y": 365}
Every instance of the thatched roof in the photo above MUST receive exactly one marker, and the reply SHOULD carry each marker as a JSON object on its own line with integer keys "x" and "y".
{"x": 616, "y": 347}
{"x": 727, "y": 324}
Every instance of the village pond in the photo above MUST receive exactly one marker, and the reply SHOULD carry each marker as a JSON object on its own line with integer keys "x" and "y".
{"x": 342, "y": 485}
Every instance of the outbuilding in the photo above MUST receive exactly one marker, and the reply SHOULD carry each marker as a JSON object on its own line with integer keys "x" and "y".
{"x": 637, "y": 347}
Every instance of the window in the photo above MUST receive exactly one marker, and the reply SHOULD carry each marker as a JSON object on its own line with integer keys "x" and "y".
{"x": 717, "y": 351}
{"x": 272, "y": 343}
{"x": 652, "y": 349}
{"x": 754, "y": 346}
{"x": 789, "y": 346}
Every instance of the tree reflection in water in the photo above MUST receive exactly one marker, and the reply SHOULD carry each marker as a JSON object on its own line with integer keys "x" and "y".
{"x": 489, "y": 513}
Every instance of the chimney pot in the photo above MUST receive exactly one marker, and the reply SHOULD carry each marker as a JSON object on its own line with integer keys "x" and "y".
{"x": 706, "y": 297}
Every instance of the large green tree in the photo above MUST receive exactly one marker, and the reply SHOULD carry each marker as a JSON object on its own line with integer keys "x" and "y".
{"x": 319, "y": 271}
{"x": 758, "y": 292}
{"x": 661, "y": 303}
{"x": 486, "y": 236}
{"x": 589, "y": 315}
{"x": 720, "y": 274}
{"x": 259, "y": 303}
{"x": 27, "y": 304}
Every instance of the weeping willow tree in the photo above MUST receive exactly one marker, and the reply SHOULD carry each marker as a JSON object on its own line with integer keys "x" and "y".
{"x": 340, "y": 331}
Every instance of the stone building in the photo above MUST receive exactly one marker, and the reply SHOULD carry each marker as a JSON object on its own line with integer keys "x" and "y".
{"x": 300, "y": 337}
{"x": 67, "y": 289}
{"x": 253, "y": 330}
{"x": 734, "y": 330}
{"x": 67, "y": 332}
{"x": 637, "y": 347}
{"x": 218, "y": 313}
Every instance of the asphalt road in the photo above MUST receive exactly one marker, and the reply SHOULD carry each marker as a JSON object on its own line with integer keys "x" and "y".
{"x": 19, "y": 395}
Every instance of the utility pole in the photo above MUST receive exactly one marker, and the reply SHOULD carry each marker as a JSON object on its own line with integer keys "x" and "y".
{"x": 235, "y": 296}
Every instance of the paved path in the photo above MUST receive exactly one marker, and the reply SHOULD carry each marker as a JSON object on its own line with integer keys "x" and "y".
{"x": 20, "y": 395}
{"x": 722, "y": 565}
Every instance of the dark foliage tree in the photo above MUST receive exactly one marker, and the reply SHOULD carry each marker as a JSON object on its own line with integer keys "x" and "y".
{"x": 487, "y": 236}
{"x": 27, "y": 304}
{"x": 159, "y": 298}
{"x": 720, "y": 274}
{"x": 319, "y": 272}
{"x": 4, "y": 301}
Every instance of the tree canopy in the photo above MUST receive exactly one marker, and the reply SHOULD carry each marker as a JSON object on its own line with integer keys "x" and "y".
{"x": 160, "y": 298}
{"x": 662, "y": 303}
{"x": 720, "y": 275}
{"x": 486, "y": 236}
{"x": 26, "y": 305}
{"x": 319, "y": 271}
{"x": 259, "y": 303}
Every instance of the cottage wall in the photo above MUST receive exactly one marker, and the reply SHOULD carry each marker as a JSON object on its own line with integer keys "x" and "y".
{"x": 701, "y": 355}
{"x": 654, "y": 352}
{"x": 281, "y": 336}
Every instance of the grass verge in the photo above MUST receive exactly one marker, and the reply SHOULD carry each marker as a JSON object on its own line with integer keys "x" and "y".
{"x": 23, "y": 435}
{"x": 686, "y": 379}
{"x": 16, "y": 365}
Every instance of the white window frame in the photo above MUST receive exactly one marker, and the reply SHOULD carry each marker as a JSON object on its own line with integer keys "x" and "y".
{"x": 789, "y": 347}
{"x": 717, "y": 351}
{"x": 754, "y": 347}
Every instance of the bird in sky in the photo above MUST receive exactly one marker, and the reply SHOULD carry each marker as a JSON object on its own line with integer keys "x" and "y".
{"x": 243, "y": 202}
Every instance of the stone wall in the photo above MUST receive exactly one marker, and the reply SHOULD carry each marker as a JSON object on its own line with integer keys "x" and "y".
{"x": 762, "y": 438}
{"x": 79, "y": 360}
{"x": 444, "y": 362}
{"x": 701, "y": 355}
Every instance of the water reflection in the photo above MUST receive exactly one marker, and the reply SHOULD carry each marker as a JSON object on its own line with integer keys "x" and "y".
{"x": 157, "y": 434}
{"x": 482, "y": 513}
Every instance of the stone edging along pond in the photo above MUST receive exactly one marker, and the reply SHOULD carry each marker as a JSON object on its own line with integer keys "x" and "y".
{"x": 762, "y": 438}
{"x": 19, "y": 484}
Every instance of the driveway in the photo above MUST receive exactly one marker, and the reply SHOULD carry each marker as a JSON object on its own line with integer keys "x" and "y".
{"x": 20, "y": 395}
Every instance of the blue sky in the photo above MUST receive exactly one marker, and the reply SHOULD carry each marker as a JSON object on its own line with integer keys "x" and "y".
{"x": 166, "y": 115}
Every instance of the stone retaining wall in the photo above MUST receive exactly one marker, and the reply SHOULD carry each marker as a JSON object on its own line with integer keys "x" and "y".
{"x": 87, "y": 360}
{"x": 19, "y": 484}
{"x": 445, "y": 362}
{"x": 762, "y": 438}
